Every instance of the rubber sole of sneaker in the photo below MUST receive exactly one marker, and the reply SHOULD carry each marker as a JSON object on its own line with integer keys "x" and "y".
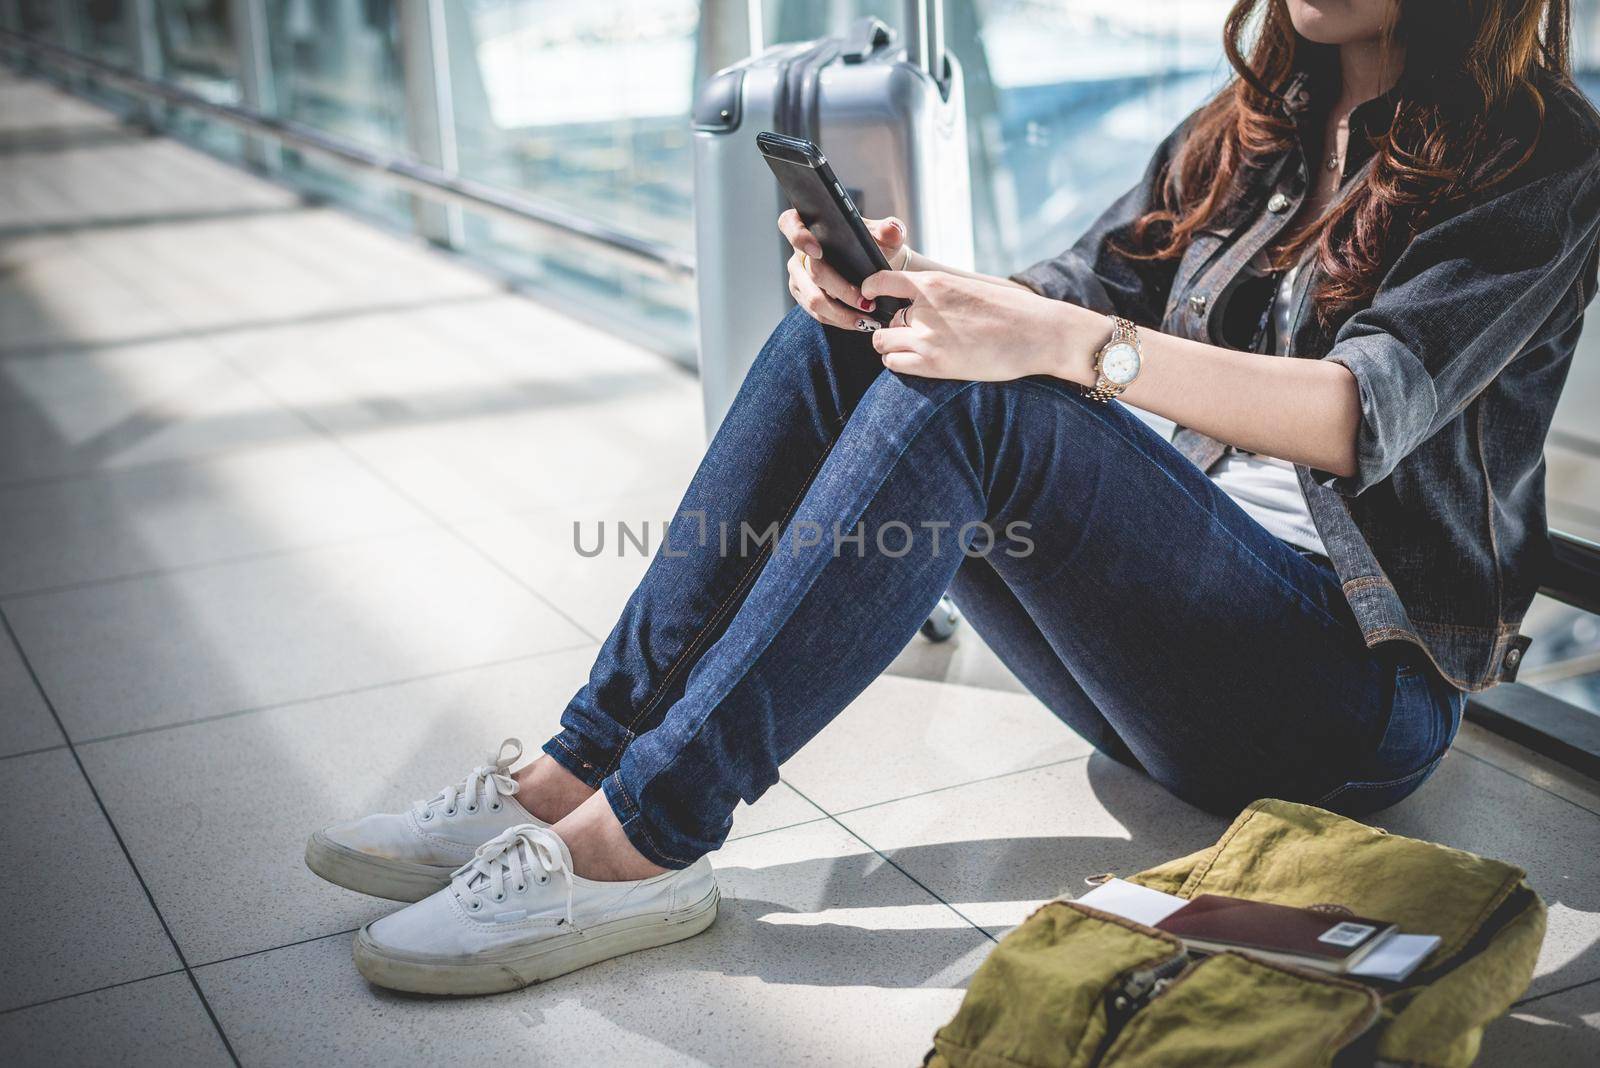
{"x": 396, "y": 880}
{"x": 518, "y": 966}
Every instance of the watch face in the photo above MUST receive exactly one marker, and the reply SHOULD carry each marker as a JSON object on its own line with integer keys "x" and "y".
{"x": 1120, "y": 363}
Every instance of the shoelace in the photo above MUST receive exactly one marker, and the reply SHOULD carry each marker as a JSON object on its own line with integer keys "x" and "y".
{"x": 514, "y": 852}
{"x": 488, "y": 782}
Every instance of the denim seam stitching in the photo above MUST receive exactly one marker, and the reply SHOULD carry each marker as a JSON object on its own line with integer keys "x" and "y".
{"x": 1496, "y": 666}
{"x": 556, "y": 738}
{"x": 1210, "y": 515}
{"x": 634, "y": 815}
{"x": 733, "y": 595}
{"x": 757, "y": 654}
{"x": 630, "y": 807}
{"x": 1357, "y": 785}
{"x": 1500, "y": 630}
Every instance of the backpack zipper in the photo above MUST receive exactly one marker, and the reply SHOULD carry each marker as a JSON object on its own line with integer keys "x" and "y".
{"x": 1139, "y": 989}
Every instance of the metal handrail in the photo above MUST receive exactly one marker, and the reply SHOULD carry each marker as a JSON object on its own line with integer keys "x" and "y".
{"x": 409, "y": 174}
{"x": 1573, "y": 573}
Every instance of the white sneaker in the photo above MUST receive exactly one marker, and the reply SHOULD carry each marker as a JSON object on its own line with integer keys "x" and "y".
{"x": 406, "y": 856}
{"x": 517, "y": 915}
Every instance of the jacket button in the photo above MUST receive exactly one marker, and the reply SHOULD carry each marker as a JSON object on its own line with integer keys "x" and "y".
{"x": 1277, "y": 203}
{"x": 1512, "y": 658}
{"x": 1197, "y": 303}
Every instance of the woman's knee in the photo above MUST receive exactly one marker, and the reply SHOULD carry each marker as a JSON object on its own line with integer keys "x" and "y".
{"x": 800, "y": 338}
{"x": 801, "y": 354}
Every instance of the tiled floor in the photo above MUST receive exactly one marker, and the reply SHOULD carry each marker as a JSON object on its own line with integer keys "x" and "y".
{"x": 285, "y": 508}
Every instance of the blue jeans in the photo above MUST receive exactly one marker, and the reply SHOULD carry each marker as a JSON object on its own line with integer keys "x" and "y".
{"x": 836, "y": 504}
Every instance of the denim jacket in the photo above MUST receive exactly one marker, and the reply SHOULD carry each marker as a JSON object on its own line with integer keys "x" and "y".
{"x": 1439, "y": 536}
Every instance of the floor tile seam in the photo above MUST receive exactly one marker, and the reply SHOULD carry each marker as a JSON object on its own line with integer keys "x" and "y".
{"x": 33, "y": 752}
{"x": 91, "y": 990}
{"x": 1526, "y": 781}
{"x": 206, "y": 333}
{"x": 277, "y": 948}
{"x": 771, "y": 830}
{"x": 201, "y": 721}
{"x": 958, "y": 785}
{"x": 1569, "y": 988}
{"x": 316, "y": 425}
{"x": 113, "y": 227}
{"x": 224, "y": 453}
{"x": 890, "y": 861}
{"x": 415, "y": 526}
{"x": 328, "y": 434}
{"x": 111, "y": 824}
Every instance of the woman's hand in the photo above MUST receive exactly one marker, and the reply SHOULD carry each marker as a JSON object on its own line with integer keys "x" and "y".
{"x": 821, "y": 290}
{"x": 976, "y": 331}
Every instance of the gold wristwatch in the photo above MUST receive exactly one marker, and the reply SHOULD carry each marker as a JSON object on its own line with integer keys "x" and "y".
{"x": 1117, "y": 363}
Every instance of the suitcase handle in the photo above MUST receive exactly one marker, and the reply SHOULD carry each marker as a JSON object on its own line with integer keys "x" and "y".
{"x": 865, "y": 38}
{"x": 924, "y": 27}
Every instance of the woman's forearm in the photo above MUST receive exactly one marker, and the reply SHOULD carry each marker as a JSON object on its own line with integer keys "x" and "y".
{"x": 1304, "y": 411}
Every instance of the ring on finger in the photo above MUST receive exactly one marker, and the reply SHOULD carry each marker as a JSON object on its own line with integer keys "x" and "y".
{"x": 805, "y": 262}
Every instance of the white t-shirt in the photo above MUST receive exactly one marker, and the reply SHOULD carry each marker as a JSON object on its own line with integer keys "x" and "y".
{"x": 1268, "y": 488}
{"x": 1269, "y": 491}
{"x": 1265, "y": 487}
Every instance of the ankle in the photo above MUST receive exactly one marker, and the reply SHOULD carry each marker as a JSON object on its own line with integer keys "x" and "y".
{"x": 600, "y": 848}
{"x": 549, "y": 791}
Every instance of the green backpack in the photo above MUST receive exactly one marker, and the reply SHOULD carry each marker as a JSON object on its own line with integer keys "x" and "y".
{"x": 1074, "y": 986}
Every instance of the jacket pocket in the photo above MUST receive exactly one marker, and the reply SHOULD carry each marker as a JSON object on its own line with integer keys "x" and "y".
{"x": 1233, "y": 1009}
{"x": 1203, "y": 249}
{"x": 1049, "y": 993}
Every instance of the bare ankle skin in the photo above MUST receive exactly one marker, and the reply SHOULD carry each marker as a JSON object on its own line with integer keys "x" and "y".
{"x": 549, "y": 791}
{"x": 600, "y": 847}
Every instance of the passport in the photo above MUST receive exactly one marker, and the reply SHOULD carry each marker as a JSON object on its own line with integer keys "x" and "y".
{"x": 1330, "y": 941}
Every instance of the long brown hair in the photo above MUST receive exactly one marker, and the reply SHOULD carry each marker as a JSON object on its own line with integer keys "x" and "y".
{"x": 1469, "y": 109}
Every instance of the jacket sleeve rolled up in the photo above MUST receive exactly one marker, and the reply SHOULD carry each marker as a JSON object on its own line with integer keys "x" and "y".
{"x": 1465, "y": 298}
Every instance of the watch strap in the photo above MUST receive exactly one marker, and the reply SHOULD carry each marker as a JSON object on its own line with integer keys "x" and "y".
{"x": 1122, "y": 330}
{"x": 1103, "y": 390}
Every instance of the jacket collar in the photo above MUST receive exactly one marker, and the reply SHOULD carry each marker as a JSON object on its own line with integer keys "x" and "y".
{"x": 1370, "y": 119}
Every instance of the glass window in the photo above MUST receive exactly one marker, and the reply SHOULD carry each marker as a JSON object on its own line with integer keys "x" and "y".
{"x": 1565, "y": 657}
{"x": 336, "y": 67}
{"x": 103, "y": 27}
{"x": 38, "y": 18}
{"x": 197, "y": 47}
{"x": 585, "y": 106}
{"x": 198, "y": 53}
{"x": 98, "y": 29}
{"x": 1065, "y": 104}
{"x": 783, "y": 21}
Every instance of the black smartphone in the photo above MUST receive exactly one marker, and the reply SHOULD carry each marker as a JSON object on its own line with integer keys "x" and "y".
{"x": 826, "y": 208}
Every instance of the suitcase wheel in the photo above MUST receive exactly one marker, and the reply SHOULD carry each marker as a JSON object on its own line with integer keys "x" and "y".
{"x": 944, "y": 621}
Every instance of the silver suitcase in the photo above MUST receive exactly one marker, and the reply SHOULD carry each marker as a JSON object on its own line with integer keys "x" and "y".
{"x": 890, "y": 117}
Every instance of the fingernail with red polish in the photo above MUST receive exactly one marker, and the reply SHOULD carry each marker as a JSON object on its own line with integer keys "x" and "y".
{"x": 868, "y": 305}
